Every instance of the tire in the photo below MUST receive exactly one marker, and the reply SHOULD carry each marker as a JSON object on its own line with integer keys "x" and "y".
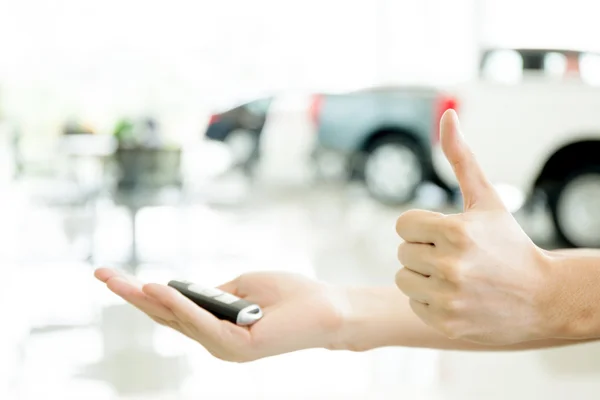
{"x": 243, "y": 145}
{"x": 575, "y": 208}
{"x": 393, "y": 170}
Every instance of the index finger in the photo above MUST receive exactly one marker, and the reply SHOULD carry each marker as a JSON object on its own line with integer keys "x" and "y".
{"x": 419, "y": 226}
{"x": 206, "y": 325}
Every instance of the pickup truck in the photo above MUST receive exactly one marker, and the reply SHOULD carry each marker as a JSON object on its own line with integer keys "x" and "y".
{"x": 380, "y": 135}
{"x": 533, "y": 121}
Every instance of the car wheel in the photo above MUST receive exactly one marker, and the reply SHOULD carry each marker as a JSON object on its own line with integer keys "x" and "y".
{"x": 243, "y": 145}
{"x": 393, "y": 170}
{"x": 575, "y": 207}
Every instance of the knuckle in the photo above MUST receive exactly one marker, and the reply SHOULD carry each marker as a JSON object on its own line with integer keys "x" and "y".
{"x": 416, "y": 307}
{"x": 404, "y": 218}
{"x": 401, "y": 253}
{"x": 452, "y": 305}
{"x": 400, "y": 223}
{"x": 449, "y": 328}
{"x": 400, "y": 278}
{"x": 448, "y": 269}
{"x": 457, "y": 233}
{"x": 451, "y": 271}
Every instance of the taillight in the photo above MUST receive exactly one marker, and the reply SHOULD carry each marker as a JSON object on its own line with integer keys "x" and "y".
{"x": 315, "y": 108}
{"x": 214, "y": 119}
{"x": 443, "y": 104}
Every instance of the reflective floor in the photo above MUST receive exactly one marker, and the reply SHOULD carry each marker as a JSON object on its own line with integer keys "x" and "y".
{"x": 65, "y": 336}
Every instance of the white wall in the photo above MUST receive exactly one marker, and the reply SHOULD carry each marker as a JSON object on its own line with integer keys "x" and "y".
{"x": 99, "y": 59}
{"x": 541, "y": 23}
{"x": 427, "y": 41}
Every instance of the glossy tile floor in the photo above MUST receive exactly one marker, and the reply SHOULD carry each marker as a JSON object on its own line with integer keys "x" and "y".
{"x": 65, "y": 337}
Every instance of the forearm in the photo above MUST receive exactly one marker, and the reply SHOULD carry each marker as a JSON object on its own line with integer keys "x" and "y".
{"x": 381, "y": 317}
{"x": 574, "y": 293}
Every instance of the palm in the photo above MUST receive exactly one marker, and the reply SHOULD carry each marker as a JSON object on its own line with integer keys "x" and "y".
{"x": 298, "y": 313}
{"x": 297, "y": 310}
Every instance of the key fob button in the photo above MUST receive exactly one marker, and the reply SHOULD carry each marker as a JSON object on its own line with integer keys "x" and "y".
{"x": 227, "y": 298}
{"x": 204, "y": 291}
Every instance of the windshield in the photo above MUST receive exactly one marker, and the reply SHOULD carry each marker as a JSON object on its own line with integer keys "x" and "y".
{"x": 511, "y": 66}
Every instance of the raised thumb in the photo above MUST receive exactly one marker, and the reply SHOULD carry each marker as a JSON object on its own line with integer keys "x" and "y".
{"x": 476, "y": 189}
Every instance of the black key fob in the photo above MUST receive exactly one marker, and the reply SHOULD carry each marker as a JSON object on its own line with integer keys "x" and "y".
{"x": 221, "y": 304}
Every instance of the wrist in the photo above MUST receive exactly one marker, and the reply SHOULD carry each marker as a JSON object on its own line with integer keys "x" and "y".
{"x": 366, "y": 318}
{"x": 546, "y": 324}
{"x": 350, "y": 321}
{"x": 573, "y": 298}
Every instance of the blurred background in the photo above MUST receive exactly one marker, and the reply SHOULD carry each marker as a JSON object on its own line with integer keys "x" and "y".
{"x": 202, "y": 140}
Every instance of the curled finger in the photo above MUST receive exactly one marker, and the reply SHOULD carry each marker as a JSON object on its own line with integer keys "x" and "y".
{"x": 419, "y": 226}
{"x": 413, "y": 285}
{"x": 417, "y": 257}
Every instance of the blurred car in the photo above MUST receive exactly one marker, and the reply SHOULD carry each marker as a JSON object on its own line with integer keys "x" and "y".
{"x": 240, "y": 128}
{"x": 381, "y": 135}
{"x": 533, "y": 120}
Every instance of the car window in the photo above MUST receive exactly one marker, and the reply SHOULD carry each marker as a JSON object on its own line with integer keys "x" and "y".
{"x": 505, "y": 66}
{"x": 555, "y": 64}
{"x": 589, "y": 68}
{"x": 510, "y": 66}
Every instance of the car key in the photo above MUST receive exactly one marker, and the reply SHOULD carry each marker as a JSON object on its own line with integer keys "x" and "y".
{"x": 221, "y": 304}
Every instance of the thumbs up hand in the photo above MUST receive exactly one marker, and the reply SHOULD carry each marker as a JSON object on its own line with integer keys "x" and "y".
{"x": 476, "y": 275}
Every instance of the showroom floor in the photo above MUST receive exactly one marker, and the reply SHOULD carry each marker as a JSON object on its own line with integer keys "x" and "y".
{"x": 66, "y": 337}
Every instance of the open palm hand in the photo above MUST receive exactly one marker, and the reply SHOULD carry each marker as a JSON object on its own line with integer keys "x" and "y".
{"x": 299, "y": 313}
